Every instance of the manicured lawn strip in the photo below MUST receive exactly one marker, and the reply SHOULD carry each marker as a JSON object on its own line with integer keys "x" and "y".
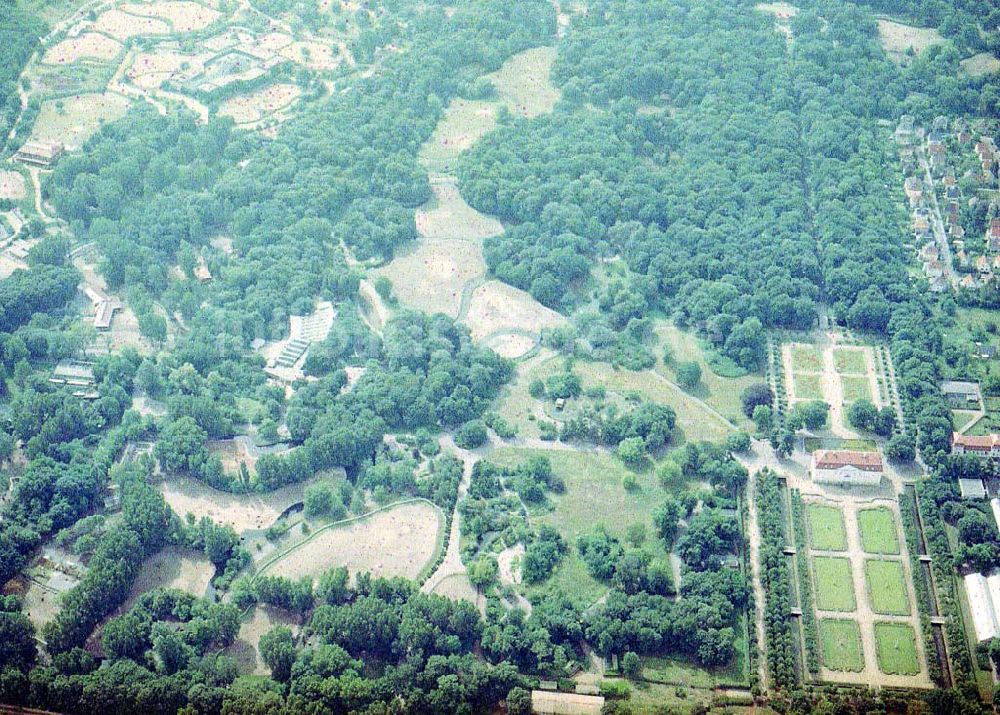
{"x": 897, "y": 649}
{"x": 826, "y": 528}
{"x": 808, "y": 387}
{"x": 887, "y": 591}
{"x": 841, "y": 639}
{"x": 806, "y": 358}
{"x": 878, "y": 531}
{"x": 850, "y": 361}
{"x": 834, "y": 584}
{"x": 856, "y": 388}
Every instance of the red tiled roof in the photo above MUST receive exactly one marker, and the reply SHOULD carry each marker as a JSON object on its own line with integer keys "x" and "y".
{"x": 982, "y": 443}
{"x": 835, "y": 459}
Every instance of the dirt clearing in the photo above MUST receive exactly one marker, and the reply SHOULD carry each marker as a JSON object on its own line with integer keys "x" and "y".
{"x": 464, "y": 123}
{"x": 400, "y": 541}
{"x": 897, "y": 38}
{"x": 12, "y": 186}
{"x": 431, "y": 277}
{"x": 314, "y": 55}
{"x": 510, "y": 345}
{"x": 983, "y": 63}
{"x": 260, "y": 104}
{"x": 183, "y": 16}
{"x": 241, "y": 511}
{"x": 73, "y": 120}
{"x": 447, "y": 215}
{"x": 524, "y": 83}
{"x": 173, "y": 567}
{"x": 122, "y": 26}
{"x": 90, "y": 45}
{"x": 497, "y": 307}
{"x": 457, "y": 588}
{"x": 151, "y": 69}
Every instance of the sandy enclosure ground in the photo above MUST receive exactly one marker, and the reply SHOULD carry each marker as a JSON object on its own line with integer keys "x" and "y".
{"x": 314, "y": 55}
{"x": 173, "y": 567}
{"x": 79, "y": 118}
{"x": 447, "y": 215}
{"x": 458, "y": 588}
{"x": 183, "y": 16}
{"x": 12, "y": 185}
{"x": 151, "y": 69}
{"x": 400, "y": 541}
{"x": 241, "y": 511}
{"x": 496, "y": 307}
{"x": 510, "y": 345}
{"x": 90, "y": 45}
{"x": 244, "y": 648}
{"x": 431, "y": 277}
{"x": 256, "y": 106}
{"x": 122, "y": 25}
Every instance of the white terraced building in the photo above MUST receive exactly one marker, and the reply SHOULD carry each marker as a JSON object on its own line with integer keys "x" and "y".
{"x": 984, "y": 601}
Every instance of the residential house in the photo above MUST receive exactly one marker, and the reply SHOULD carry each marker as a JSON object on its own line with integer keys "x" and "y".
{"x": 938, "y": 284}
{"x": 983, "y": 265}
{"x": 967, "y": 282}
{"x": 847, "y": 467}
{"x": 993, "y": 236}
{"x": 956, "y": 231}
{"x": 933, "y": 269}
{"x": 985, "y": 351}
{"x": 914, "y": 190}
{"x": 43, "y": 154}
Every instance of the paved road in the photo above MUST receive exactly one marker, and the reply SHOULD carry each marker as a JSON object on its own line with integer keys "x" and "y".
{"x": 937, "y": 225}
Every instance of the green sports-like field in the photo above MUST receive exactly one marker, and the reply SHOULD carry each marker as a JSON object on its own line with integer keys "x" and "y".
{"x": 849, "y": 361}
{"x": 826, "y": 528}
{"x": 897, "y": 649}
{"x": 806, "y": 358}
{"x": 834, "y": 584}
{"x": 856, "y": 388}
{"x": 878, "y": 531}
{"x": 840, "y": 641}
{"x": 887, "y": 591}
{"x": 808, "y": 387}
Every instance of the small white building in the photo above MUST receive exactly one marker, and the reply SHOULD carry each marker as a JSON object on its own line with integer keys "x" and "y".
{"x": 984, "y": 600}
{"x": 847, "y": 468}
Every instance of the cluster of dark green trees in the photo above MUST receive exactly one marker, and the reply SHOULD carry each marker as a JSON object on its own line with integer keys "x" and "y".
{"x": 776, "y": 578}
{"x": 20, "y": 31}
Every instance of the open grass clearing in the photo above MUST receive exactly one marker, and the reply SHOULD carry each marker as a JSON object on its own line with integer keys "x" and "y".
{"x": 897, "y": 38}
{"x": 149, "y": 70}
{"x": 878, "y": 531}
{"x": 859, "y": 445}
{"x": 887, "y": 590}
{"x": 261, "y": 103}
{"x": 73, "y": 120}
{"x": 400, "y": 540}
{"x": 806, "y": 358}
{"x": 896, "y": 646}
{"x": 430, "y": 275}
{"x": 183, "y": 16}
{"x": 511, "y": 345}
{"x": 594, "y": 494}
{"x": 89, "y": 46}
{"x": 980, "y": 64}
{"x": 807, "y": 387}
{"x": 840, "y": 641}
{"x": 963, "y": 418}
{"x": 856, "y": 388}
{"x": 241, "y": 511}
{"x": 695, "y": 422}
{"x": 12, "y": 185}
{"x": 781, "y": 10}
{"x": 457, "y": 587}
{"x": 496, "y": 307}
{"x": 826, "y": 528}
{"x": 722, "y": 393}
{"x": 464, "y": 123}
{"x": 850, "y": 361}
{"x": 516, "y": 405}
{"x": 314, "y": 55}
{"x": 447, "y": 215}
{"x": 524, "y": 82}
{"x": 834, "y": 584}
{"x": 122, "y": 25}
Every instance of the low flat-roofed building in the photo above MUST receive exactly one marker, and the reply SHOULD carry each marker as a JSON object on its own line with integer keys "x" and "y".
{"x": 984, "y": 599}
{"x": 847, "y": 467}
{"x": 961, "y": 393}
{"x": 972, "y": 488}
